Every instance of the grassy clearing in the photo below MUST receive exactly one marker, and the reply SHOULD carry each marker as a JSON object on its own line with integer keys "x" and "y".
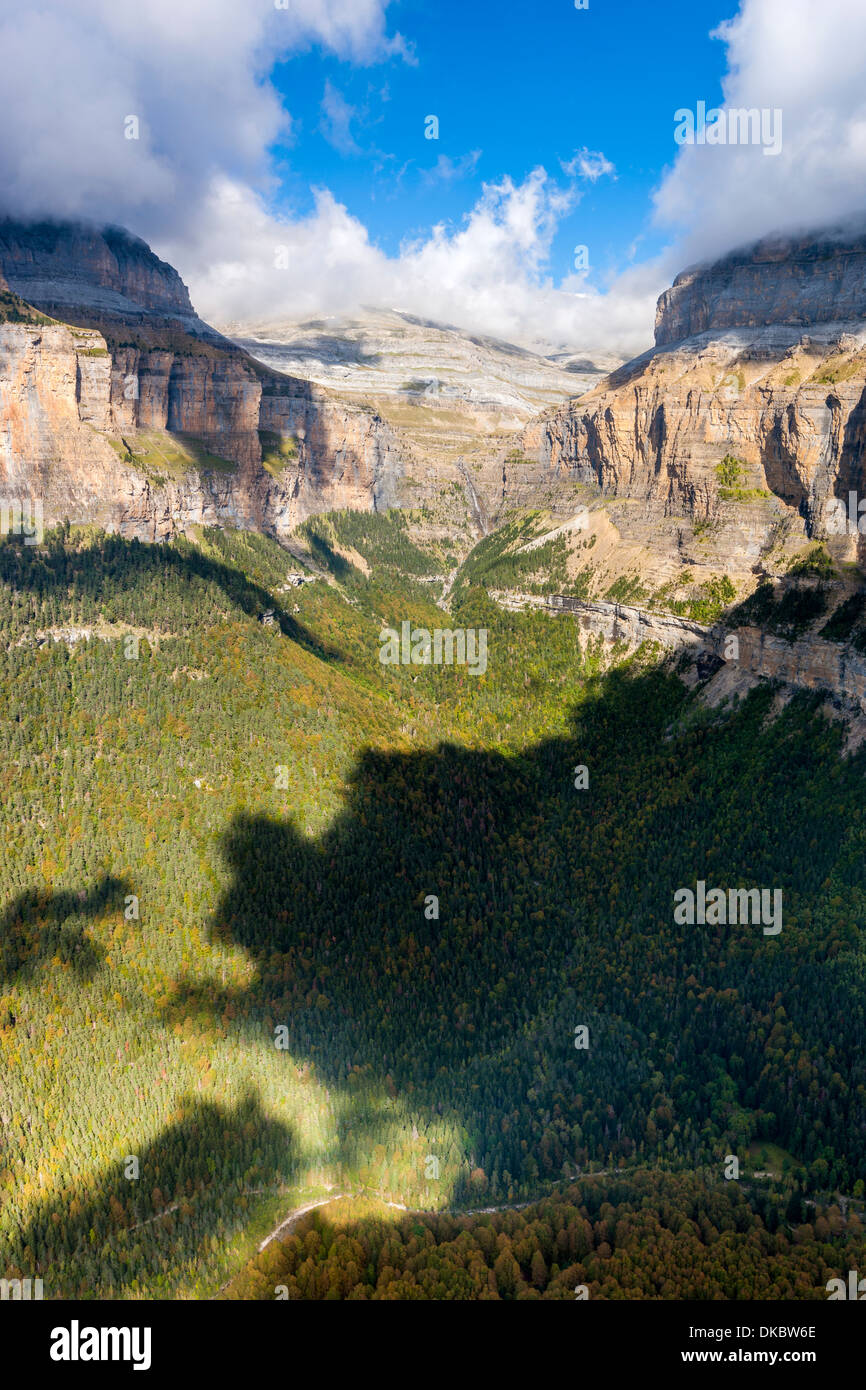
{"x": 167, "y": 456}
{"x": 279, "y": 451}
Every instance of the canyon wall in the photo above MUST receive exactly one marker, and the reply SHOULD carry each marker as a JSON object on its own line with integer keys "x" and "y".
{"x": 104, "y": 274}
{"x": 799, "y": 281}
{"x": 133, "y": 413}
{"x": 761, "y": 360}
{"x": 790, "y": 409}
{"x": 808, "y": 663}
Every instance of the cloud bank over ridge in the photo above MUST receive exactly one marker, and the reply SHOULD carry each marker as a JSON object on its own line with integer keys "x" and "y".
{"x": 199, "y": 182}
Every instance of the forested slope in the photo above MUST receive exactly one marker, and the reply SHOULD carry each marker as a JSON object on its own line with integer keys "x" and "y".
{"x": 651, "y": 1236}
{"x": 279, "y": 809}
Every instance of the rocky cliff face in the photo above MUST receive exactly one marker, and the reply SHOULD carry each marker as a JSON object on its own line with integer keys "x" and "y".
{"x": 733, "y": 438}
{"x": 798, "y": 282}
{"x": 133, "y": 413}
{"x": 726, "y": 660}
{"x": 73, "y": 272}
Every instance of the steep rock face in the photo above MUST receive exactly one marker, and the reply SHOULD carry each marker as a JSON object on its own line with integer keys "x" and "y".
{"x": 56, "y": 418}
{"x": 107, "y": 274}
{"x": 215, "y": 398}
{"x": 786, "y": 403}
{"x": 789, "y": 409}
{"x": 46, "y": 408}
{"x": 353, "y": 456}
{"x": 144, "y": 419}
{"x": 782, "y": 281}
{"x": 71, "y": 432}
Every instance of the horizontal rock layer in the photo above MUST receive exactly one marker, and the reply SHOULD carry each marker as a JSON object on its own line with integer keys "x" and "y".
{"x": 761, "y": 360}
{"x": 72, "y": 271}
{"x": 73, "y": 414}
{"x": 801, "y": 282}
{"x": 809, "y": 663}
{"x": 92, "y": 416}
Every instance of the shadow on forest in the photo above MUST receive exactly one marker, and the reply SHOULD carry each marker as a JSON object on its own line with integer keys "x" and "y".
{"x": 471, "y": 1014}
{"x": 197, "y": 1158}
{"x": 36, "y": 927}
{"x": 74, "y": 575}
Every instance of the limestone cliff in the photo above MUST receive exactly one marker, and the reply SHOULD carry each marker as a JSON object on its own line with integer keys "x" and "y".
{"x": 119, "y": 405}
{"x": 802, "y": 281}
{"x": 727, "y": 659}
{"x": 75, "y": 272}
{"x": 732, "y": 437}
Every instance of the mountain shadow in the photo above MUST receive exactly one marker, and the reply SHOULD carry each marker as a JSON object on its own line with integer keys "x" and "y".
{"x": 90, "y": 577}
{"x": 468, "y": 911}
{"x": 485, "y": 952}
{"x": 213, "y": 1155}
{"x": 39, "y": 925}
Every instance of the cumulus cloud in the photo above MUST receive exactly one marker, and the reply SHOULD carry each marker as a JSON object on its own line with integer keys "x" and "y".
{"x": 807, "y": 61}
{"x": 194, "y": 74}
{"x": 488, "y": 274}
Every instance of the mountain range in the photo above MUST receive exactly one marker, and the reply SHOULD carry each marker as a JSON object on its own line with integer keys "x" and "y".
{"x": 128, "y": 410}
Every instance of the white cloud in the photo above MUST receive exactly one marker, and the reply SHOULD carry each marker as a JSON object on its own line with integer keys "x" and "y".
{"x": 193, "y": 72}
{"x": 446, "y": 170}
{"x": 490, "y": 274}
{"x": 349, "y": 28}
{"x": 336, "y": 122}
{"x": 588, "y": 164}
{"x": 806, "y": 60}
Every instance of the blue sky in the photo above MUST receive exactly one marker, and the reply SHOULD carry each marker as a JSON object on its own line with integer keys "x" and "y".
{"x": 521, "y": 84}
{"x": 279, "y": 160}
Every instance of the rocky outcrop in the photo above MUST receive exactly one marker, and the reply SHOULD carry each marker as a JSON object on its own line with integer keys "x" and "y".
{"x": 106, "y": 276}
{"x": 134, "y": 414}
{"x": 741, "y": 431}
{"x": 728, "y": 659}
{"x": 800, "y": 282}
{"x": 450, "y": 394}
{"x": 737, "y": 655}
{"x": 789, "y": 410}
{"x": 620, "y": 622}
{"x": 59, "y": 443}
